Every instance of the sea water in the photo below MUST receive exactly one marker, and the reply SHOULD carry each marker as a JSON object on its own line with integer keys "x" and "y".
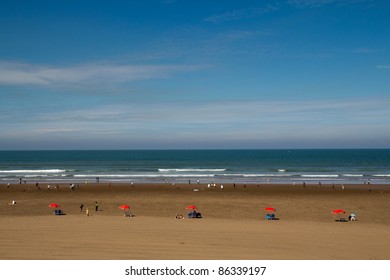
{"x": 241, "y": 166}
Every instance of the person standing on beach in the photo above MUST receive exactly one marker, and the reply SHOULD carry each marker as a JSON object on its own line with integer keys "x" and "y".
{"x": 81, "y": 207}
{"x": 96, "y": 206}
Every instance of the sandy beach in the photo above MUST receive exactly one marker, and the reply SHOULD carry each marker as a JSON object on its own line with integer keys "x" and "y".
{"x": 233, "y": 224}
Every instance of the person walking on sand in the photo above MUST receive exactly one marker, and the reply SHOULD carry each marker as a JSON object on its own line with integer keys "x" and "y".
{"x": 87, "y": 212}
{"x": 96, "y": 206}
{"x": 81, "y": 207}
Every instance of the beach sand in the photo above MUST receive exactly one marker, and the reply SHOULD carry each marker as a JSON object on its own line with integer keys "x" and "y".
{"x": 233, "y": 224}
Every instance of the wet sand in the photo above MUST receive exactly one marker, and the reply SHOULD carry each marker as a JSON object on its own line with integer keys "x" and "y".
{"x": 233, "y": 224}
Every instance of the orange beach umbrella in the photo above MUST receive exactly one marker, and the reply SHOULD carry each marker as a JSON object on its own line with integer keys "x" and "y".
{"x": 338, "y": 211}
{"x": 54, "y": 205}
{"x": 124, "y": 207}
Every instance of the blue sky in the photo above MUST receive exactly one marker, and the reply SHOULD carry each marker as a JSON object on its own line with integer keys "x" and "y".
{"x": 168, "y": 74}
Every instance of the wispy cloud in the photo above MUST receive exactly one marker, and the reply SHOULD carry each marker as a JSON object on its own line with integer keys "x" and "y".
{"x": 309, "y": 3}
{"x": 367, "y": 50}
{"x": 241, "y": 14}
{"x": 320, "y": 3}
{"x": 383, "y": 66}
{"x": 236, "y": 35}
{"x": 149, "y": 125}
{"x": 84, "y": 74}
{"x": 215, "y": 117}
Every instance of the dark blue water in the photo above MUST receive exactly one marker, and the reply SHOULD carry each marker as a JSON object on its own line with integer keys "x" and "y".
{"x": 252, "y": 166}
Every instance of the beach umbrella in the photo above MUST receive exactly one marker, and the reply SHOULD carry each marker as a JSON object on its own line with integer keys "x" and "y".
{"x": 125, "y": 209}
{"x": 270, "y": 216}
{"x": 54, "y": 205}
{"x": 191, "y": 207}
{"x": 338, "y": 211}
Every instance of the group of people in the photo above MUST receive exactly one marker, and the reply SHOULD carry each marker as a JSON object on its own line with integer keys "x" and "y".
{"x": 192, "y": 215}
{"x": 87, "y": 210}
{"x": 352, "y": 217}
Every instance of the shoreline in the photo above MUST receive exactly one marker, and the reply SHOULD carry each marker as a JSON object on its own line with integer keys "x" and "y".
{"x": 272, "y": 179}
{"x": 189, "y": 182}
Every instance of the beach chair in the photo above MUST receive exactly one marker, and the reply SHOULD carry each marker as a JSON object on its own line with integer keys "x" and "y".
{"x": 270, "y": 216}
{"x": 190, "y": 215}
{"x": 193, "y": 215}
{"x": 128, "y": 215}
{"x": 58, "y": 212}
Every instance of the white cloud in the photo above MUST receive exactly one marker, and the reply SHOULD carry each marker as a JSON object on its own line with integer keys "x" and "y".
{"x": 162, "y": 125}
{"x": 241, "y": 14}
{"x": 310, "y": 3}
{"x": 383, "y": 66}
{"x": 367, "y": 50}
{"x": 319, "y": 3}
{"x": 212, "y": 117}
{"x": 84, "y": 74}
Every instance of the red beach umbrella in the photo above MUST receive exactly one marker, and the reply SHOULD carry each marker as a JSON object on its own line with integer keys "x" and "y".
{"x": 54, "y": 205}
{"x": 338, "y": 211}
{"x": 124, "y": 207}
{"x": 191, "y": 207}
{"x": 270, "y": 209}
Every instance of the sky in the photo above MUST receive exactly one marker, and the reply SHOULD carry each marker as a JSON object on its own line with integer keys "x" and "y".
{"x": 166, "y": 74}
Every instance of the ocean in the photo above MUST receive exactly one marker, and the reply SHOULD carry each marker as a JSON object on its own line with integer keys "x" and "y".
{"x": 219, "y": 166}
